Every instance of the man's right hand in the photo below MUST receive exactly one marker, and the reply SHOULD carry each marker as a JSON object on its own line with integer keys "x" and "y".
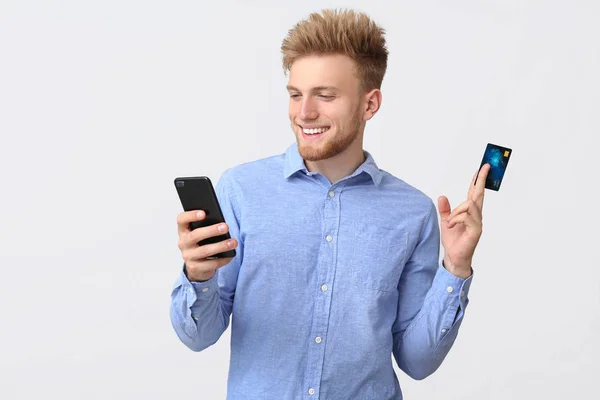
{"x": 198, "y": 267}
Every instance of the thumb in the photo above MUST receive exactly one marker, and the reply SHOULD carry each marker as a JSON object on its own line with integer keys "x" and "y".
{"x": 443, "y": 207}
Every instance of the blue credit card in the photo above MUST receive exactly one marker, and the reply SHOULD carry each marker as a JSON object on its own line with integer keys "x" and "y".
{"x": 497, "y": 157}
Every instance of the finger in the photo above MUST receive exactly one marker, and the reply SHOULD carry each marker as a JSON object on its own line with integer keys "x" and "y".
{"x": 471, "y": 211}
{"x": 463, "y": 207}
{"x": 209, "y": 250}
{"x": 472, "y": 185}
{"x": 185, "y": 218}
{"x": 481, "y": 177}
{"x": 459, "y": 219}
{"x": 463, "y": 218}
{"x": 206, "y": 232}
{"x": 207, "y": 265}
{"x": 478, "y": 192}
{"x": 468, "y": 221}
{"x": 443, "y": 207}
{"x": 468, "y": 206}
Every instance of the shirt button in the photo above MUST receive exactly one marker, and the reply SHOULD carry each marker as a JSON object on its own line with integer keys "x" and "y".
{"x": 331, "y": 194}
{"x": 205, "y": 290}
{"x": 324, "y": 288}
{"x": 311, "y": 391}
{"x": 462, "y": 293}
{"x": 329, "y": 238}
{"x": 449, "y": 289}
{"x": 318, "y": 339}
{"x": 192, "y": 290}
{"x": 443, "y": 331}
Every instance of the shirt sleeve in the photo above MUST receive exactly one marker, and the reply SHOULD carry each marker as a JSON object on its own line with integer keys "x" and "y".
{"x": 200, "y": 311}
{"x": 431, "y": 306}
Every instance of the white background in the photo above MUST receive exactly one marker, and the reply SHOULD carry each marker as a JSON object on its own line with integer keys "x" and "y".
{"x": 104, "y": 103}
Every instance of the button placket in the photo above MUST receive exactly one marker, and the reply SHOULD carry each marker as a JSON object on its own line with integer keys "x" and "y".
{"x": 325, "y": 274}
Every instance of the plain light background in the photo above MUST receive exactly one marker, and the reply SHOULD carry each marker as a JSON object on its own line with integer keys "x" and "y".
{"x": 104, "y": 103}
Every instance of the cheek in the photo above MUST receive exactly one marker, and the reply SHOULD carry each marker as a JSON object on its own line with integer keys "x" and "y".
{"x": 341, "y": 113}
{"x": 293, "y": 109}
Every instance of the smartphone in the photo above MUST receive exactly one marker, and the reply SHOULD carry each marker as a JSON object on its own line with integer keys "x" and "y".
{"x": 198, "y": 193}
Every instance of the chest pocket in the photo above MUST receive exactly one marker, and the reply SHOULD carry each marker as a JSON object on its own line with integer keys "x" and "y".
{"x": 378, "y": 256}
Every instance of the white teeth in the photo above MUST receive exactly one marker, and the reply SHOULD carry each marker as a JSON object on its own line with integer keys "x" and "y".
{"x": 314, "y": 131}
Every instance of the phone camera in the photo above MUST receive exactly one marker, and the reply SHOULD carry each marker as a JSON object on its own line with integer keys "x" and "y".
{"x": 180, "y": 183}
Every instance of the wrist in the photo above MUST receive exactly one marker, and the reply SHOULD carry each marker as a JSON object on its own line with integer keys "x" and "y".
{"x": 199, "y": 277}
{"x": 462, "y": 270}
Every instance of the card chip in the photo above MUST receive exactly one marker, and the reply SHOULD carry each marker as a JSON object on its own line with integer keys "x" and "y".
{"x": 506, "y": 153}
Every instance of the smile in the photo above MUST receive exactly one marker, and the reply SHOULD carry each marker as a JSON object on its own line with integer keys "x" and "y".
{"x": 315, "y": 131}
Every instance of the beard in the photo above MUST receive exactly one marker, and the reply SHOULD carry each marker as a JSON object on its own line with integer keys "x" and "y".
{"x": 333, "y": 145}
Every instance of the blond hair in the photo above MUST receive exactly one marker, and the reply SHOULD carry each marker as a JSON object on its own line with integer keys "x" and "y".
{"x": 345, "y": 32}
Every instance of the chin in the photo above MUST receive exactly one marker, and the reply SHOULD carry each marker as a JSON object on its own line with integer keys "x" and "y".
{"x": 317, "y": 152}
{"x": 322, "y": 148}
{"x": 311, "y": 155}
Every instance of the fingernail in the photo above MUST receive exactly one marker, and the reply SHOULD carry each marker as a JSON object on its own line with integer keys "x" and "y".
{"x": 230, "y": 243}
{"x": 221, "y": 228}
{"x": 200, "y": 214}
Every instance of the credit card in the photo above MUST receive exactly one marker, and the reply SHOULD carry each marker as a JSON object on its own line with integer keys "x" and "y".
{"x": 497, "y": 157}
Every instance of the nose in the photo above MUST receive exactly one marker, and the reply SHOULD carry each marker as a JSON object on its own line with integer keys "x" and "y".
{"x": 308, "y": 110}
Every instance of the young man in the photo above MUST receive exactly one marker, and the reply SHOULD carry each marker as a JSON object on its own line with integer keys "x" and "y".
{"x": 337, "y": 260}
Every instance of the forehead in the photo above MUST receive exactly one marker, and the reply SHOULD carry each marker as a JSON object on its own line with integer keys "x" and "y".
{"x": 330, "y": 70}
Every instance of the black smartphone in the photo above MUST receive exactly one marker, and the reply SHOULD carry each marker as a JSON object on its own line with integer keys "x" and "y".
{"x": 198, "y": 193}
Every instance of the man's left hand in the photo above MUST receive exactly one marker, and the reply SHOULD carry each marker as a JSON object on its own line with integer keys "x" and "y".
{"x": 462, "y": 228}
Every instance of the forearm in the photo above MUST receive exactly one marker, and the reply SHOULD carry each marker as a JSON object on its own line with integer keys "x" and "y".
{"x": 421, "y": 348}
{"x": 197, "y": 314}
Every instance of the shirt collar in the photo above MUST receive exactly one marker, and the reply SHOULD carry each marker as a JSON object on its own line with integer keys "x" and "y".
{"x": 294, "y": 163}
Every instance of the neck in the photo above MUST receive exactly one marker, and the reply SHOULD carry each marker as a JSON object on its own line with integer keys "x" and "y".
{"x": 341, "y": 165}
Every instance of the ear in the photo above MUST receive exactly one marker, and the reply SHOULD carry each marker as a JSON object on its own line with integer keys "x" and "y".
{"x": 372, "y": 103}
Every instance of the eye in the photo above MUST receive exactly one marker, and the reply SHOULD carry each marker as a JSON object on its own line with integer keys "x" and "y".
{"x": 325, "y": 97}
{"x": 294, "y": 96}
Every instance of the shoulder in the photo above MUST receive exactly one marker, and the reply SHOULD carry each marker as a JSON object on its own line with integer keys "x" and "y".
{"x": 238, "y": 177}
{"x": 406, "y": 194}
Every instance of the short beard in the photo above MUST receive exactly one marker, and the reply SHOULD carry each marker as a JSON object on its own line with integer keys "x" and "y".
{"x": 334, "y": 146}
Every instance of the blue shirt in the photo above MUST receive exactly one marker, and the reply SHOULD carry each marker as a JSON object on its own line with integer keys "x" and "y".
{"x": 329, "y": 280}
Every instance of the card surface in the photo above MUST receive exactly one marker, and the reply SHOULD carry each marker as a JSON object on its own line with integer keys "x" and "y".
{"x": 497, "y": 157}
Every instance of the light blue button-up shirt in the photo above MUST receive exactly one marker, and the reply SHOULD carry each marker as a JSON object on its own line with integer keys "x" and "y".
{"x": 329, "y": 280}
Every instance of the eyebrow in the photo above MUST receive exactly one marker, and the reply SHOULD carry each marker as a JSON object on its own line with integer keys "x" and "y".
{"x": 315, "y": 89}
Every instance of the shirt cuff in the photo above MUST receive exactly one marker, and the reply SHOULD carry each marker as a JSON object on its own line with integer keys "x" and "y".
{"x": 206, "y": 288}
{"x": 199, "y": 293}
{"x": 452, "y": 291}
{"x": 193, "y": 291}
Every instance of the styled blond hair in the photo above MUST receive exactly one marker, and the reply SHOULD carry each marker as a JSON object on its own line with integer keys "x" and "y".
{"x": 345, "y": 32}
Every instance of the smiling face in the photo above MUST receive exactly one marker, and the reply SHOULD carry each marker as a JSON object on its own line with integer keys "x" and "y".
{"x": 326, "y": 106}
